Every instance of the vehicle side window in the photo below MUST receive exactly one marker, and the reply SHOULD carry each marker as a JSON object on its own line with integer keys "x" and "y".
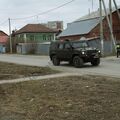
{"x": 54, "y": 46}
{"x": 67, "y": 46}
{"x": 60, "y": 46}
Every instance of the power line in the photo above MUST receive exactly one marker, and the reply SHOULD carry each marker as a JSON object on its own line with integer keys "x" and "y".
{"x": 45, "y": 12}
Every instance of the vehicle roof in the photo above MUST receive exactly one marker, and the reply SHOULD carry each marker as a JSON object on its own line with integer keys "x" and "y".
{"x": 69, "y": 41}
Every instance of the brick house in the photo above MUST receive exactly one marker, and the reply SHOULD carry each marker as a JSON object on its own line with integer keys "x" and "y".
{"x": 3, "y": 38}
{"x": 89, "y": 27}
{"x": 3, "y": 41}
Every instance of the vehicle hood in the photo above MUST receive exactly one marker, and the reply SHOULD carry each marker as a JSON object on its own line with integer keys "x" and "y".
{"x": 86, "y": 49}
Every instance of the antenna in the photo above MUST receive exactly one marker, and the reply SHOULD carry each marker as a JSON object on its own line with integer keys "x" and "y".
{"x": 92, "y": 4}
{"x": 89, "y": 11}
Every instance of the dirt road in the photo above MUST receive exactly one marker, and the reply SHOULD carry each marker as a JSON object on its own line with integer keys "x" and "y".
{"x": 109, "y": 66}
{"x": 58, "y": 97}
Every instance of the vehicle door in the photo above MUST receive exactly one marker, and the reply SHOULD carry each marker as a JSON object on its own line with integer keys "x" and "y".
{"x": 67, "y": 51}
{"x": 60, "y": 51}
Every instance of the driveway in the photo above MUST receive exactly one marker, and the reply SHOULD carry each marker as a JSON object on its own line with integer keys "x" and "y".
{"x": 109, "y": 66}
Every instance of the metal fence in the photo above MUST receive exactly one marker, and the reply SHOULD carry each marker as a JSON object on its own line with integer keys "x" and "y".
{"x": 2, "y": 48}
{"x": 108, "y": 46}
{"x": 33, "y": 48}
{"x": 43, "y": 48}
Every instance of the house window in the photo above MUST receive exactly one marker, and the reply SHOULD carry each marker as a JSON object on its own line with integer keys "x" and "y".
{"x": 18, "y": 36}
{"x": 60, "y": 46}
{"x": 31, "y": 37}
{"x": 50, "y": 37}
{"x": 44, "y": 37}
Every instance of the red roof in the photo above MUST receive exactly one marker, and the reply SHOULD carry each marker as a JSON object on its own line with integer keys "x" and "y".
{"x": 35, "y": 28}
{"x": 3, "y": 39}
{"x": 3, "y": 33}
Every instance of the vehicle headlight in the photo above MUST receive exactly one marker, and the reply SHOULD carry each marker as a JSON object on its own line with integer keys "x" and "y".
{"x": 83, "y": 52}
{"x": 99, "y": 51}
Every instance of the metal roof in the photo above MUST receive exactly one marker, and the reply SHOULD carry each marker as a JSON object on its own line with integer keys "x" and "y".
{"x": 84, "y": 24}
{"x": 80, "y": 27}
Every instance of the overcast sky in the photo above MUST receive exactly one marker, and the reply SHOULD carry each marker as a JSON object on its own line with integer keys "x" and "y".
{"x": 24, "y": 8}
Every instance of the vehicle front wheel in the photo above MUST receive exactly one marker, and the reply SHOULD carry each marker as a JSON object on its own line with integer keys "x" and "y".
{"x": 118, "y": 53}
{"x": 78, "y": 62}
{"x": 95, "y": 62}
{"x": 55, "y": 60}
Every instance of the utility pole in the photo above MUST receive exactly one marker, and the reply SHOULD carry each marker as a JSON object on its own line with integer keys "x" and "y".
{"x": 109, "y": 24}
{"x": 10, "y": 35}
{"x": 116, "y": 8}
{"x": 110, "y": 9}
{"x": 101, "y": 28}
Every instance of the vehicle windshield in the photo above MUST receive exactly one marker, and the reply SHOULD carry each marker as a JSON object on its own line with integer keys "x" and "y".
{"x": 79, "y": 44}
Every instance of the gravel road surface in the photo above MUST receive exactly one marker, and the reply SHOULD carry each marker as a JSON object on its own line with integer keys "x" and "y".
{"x": 110, "y": 66}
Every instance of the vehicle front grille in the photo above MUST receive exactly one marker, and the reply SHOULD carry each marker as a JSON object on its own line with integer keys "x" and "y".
{"x": 91, "y": 52}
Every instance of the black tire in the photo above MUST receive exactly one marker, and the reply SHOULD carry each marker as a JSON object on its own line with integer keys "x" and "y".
{"x": 78, "y": 62}
{"x": 118, "y": 54}
{"x": 55, "y": 60}
{"x": 95, "y": 62}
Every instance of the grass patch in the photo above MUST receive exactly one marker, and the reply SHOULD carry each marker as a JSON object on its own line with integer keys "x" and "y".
{"x": 67, "y": 98}
{"x": 12, "y": 71}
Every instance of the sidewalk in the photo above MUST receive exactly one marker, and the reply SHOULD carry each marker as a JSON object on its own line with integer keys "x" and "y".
{"x": 38, "y": 78}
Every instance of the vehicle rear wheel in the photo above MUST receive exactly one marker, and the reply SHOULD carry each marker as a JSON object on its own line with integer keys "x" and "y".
{"x": 78, "y": 62}
{"x": 95, "y": 62}
{"x": 55, "y": 60}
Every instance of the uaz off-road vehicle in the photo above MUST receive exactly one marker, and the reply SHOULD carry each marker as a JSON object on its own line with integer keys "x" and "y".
{"x": 75, "y": 52}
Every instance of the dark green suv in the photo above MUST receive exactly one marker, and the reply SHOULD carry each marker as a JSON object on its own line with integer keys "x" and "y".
{"x": 75, "y": 52}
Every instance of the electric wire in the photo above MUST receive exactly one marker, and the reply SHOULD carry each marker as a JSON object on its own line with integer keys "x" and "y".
{"x": 45, "y": 12}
